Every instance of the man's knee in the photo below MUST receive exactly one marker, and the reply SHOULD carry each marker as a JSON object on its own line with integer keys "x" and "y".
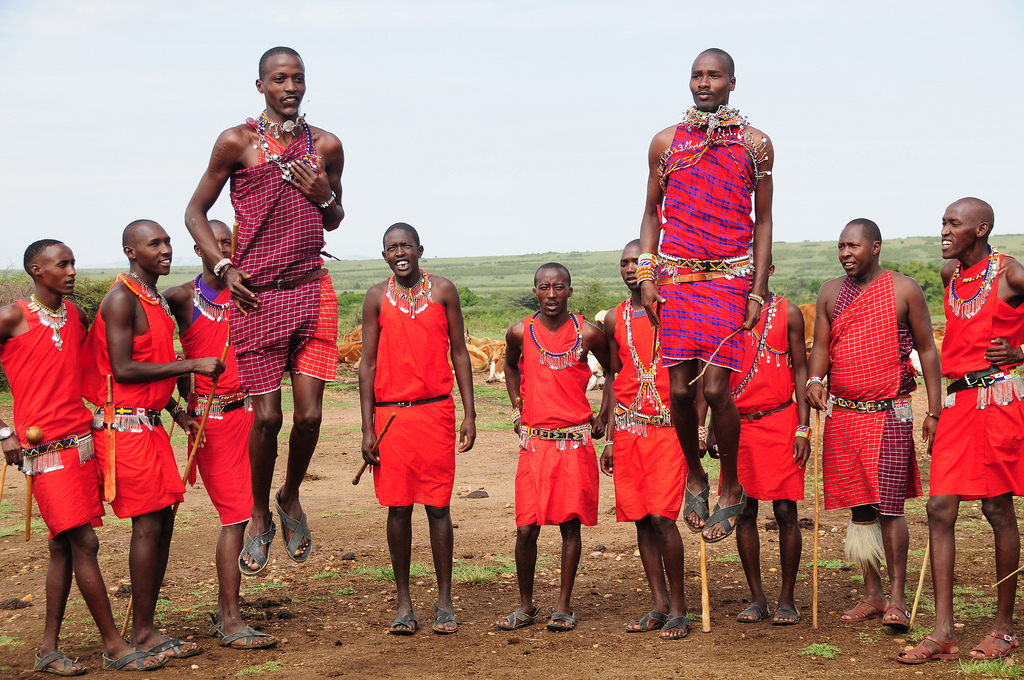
{"x": 400, "y": 514}
{"x": 267, "y": 421}
{"x": 438, "y": 514}
{"x": 999, "y": 511}
{"x": 308, "y": 417}
{"x": 570, "y": 530}
{"x": 785, "y": 514}
{"x": 527, "y": 534}
{"x": 716, "y": 388}
{"x": 942, "y": 511}
{"x": 83, "y": 541}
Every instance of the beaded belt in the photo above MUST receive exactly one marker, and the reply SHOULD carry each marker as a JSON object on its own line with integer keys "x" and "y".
{"x": 573, "y": 436}
{"x": 46, "y": 456}
{"x": 692, "y": 278}
{"x": 407, "y": 404}
{"x": 128, "y": 419}
{"x": 682, "y": 270}
{"x": 984, "y": 378}
{"x": 872, "y": 406}
{"x": 222, "y": 403}
{"x": 994, "y": 386}
{"x": 290, "y": 283}
{"x": 758, "y": 415}
{"x": 626, "y": 418}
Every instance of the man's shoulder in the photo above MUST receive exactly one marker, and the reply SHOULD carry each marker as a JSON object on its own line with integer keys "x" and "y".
{"x": 236, "y": 136}
{"x": 179, "y": 295}
{"x": 903, "y": 284}
{"x": 323, "y": 139}
{"x": 830, "y": 289}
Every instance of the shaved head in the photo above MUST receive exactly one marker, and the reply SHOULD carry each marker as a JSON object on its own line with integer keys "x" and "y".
{"x": 635, "y": 243}
{"x": 977, "y": 211}
{"x": 136, "y": 230}
{"x": 726, "y": 57}
{"x": 868, "y": 227}
{"x": 402, "y": 226}
{"x": 275, "y": 52}
{"x": 556, "y": 267}
{"x": 219, "y": 228}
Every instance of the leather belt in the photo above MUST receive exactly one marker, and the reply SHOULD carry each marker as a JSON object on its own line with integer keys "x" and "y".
{"x": 874, "y": 406}
{"x": 290, "y": 283}
{"x": 407, "y": 404}
{"x": 695, "y": 277}
{"x": 984, "y": 378}
{"x": 758, "y": 415}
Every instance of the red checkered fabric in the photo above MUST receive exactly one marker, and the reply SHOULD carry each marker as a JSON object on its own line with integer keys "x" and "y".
{"x": 319, "y": 358}
{"x": 280, "y": 235}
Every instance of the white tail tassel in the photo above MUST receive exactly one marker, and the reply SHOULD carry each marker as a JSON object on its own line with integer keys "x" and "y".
{"x": 864, "y": 545}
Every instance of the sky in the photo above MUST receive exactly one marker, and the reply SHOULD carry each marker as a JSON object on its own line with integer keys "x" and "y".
{"x": 506, "y": 127}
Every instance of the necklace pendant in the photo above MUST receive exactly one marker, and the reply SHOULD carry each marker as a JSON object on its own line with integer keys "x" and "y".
{"x": 274, "y": 131}
{"x": 288, "y": 125}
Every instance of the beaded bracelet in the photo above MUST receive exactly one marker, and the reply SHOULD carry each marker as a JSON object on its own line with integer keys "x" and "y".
{"x": 178, "y": 408}
{"x": 327, "y": 204}
{"x": 813, "y": 379}
{"x": 929, "y": 414}
{"x": 802, "y": 430}
{"x": 645, "y": 268}
{"x": 221, "y": 267}
{"x": 702, "y": 432}
{"x": 514, "y": 415}
{"x": 756, "y": 298}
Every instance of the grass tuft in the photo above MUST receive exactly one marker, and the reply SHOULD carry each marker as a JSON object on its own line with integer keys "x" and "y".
{"x": 386, "y": 573}
{"x": 822, "y": 650}
{"x": 268, "y": 667}
{"x": 996, "y": 668}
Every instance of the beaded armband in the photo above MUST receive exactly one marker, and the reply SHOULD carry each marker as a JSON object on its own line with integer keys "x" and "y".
{"x": 327, "y": 204}
{"x": 702, "y": 432}
{"x": 813, "y": 379}
{"x": 175, "y": 410}
{"x": 756, "y": 298}
{"x": 802, "y": 431}
{"x": 645, "y": 268}
{"x": 221, "y": 267}
{"x": 514, "y": 415}
{"x": 929, "y": 414}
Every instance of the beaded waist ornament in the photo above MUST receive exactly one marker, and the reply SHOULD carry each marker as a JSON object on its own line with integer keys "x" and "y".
{"x": 999, "y": 389}
{"x": 46, "y": 456}
{"x": 410, "y": 300}
{"x": 733, "y": 267}
{"x": 900, "y": 406}
{"x": 572, "y": 437}
{"x": 559, "y": 360}
{"x": 222, "y": 403}
{"x": 128, "y": 419}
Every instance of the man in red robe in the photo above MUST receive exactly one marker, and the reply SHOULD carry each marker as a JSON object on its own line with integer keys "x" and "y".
{"x": 546, "y": 374}
{"x": 708, "y": 176}
{"x": 201, "y": 310}
{"x": 410, "y": 324}
{"x": 286, "y": 190}
{"x": 642, "y": 453}
{"x": 40, "y": 349}
{"x": 977, "y": 454}
{"x": 774, "y": 448}
{"x": 865, "y": 326}
{"x": 133, "y": 341}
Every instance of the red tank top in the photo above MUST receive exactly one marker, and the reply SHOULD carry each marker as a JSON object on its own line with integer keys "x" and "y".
{"x": 412, "y": 352}
{"x": 206, "y": 337}
{"x": 634, "y": 324}
{"x": 553, "y": 398}
{"x": 156, "y": 346}
{"x": 46, "y": 382}
{"x": 766, "y": 378}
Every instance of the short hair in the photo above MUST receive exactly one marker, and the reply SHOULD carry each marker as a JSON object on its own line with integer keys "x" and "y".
{"x": 402, "y": 226}
{"x": 32, "y": 252}
{"x": 553, "y": 265}
{"x": 635, "y": 242}
{"x": 984, "y": 208}
{"x": 871, "y": 229}
{"x": 129, "y": 233}
{"x": 274, "y": 52}
{"x": 725, "y": 55}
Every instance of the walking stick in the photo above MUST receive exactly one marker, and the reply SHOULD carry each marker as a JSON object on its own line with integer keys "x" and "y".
{"x": 705, "y": 597}
{"x": 814, "y": 592}
{"x": 376, "y": 445}
{"x": 920, "y": 583}
{"x": 33, "y": 435}
{"x": 190, "y": 462}
{"x": 3, "y": 478}
{"x": 110, "y": 471}
{"x": 234, "y": 238}
{"x": 1011, "y": 574}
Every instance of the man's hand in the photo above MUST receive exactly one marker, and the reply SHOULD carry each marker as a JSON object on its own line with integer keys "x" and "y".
{"x": 369, "y": 438}
{"x": 190, "y": 425}
{"x": 928, "y": 428}
{"x": 1002, "y": 353}
{"x": 310, "y": 182}
{"x": 245, "y": 299}
{"x": 801, "y": 451}
{"x": 752, "y": 316}
{"x": 816, "y": 397}
{"x": 211, "y": 367}
{"x": 467, "y": 435}
{"x": 606, "y": 460}
{"x": 596, "y": 428}
{"x": 651, "y": 298}
{"x": 12, "y": 450}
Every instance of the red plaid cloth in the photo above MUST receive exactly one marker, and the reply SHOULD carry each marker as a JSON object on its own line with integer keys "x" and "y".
{"x": 280, "y": 235}
{"x": 319, "y": 358}
{"x": 868, "y": 458}
{"x": 707, "y": 213}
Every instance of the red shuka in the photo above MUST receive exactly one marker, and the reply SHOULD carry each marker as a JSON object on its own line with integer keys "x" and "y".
{"x": 417, "y": 457}
{"x": 765, "y": 466}
{"x": 977, "y": 449}
{"x": 47, "y": 390}
{"x": 649, "y": 465}
{"x": 147, "y": 475}
{"x": 555, "y": 484}
{"x": 223, "y": 461}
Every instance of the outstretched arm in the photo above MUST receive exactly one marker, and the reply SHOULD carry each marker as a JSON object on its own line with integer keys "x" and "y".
{"x": 920, "y": 322}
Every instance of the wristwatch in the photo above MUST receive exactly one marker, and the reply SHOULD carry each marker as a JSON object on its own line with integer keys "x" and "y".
{"x": 6, "y": 432}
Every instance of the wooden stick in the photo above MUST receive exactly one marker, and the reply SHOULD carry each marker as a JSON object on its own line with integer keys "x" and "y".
{"x": 705, "y": 597}
{"x": 188, "y": 467}
{"x": 110, "y": 473}
{"x": 1013, "y": 573}
{"x": 920, "y": 583}
{"x": 814, "y": 592}
{"x": 376, "y": 445}
{"x": 3, "y": 478}
{"x": 28, "y": 507}
{"x": 234, "y": 238}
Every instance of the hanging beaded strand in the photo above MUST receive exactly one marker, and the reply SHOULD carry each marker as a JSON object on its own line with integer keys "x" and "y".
{"x": 54, "y": 319}
{"x": 410, "y": 300}
{"x": 632, "y": 419}
{"x": 559, "y": 360}
{"x": 965, "y": 309}
{"x": 149, "y": 293}
{"x": 286, "y": 168}
{"x": 761, "y": 345}
{"x": 208, "y": 308}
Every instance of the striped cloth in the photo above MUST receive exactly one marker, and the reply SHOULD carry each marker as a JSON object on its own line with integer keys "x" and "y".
{"x": 280, "y": 235}
{"x": 707, "y": 216}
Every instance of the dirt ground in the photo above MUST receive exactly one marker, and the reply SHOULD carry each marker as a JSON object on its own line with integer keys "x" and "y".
{"x": 331, "y": 615}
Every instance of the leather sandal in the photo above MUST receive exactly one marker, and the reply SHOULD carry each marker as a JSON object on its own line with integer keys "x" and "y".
{"x": 921, "y": 654}
{"x": 988, "y": 649}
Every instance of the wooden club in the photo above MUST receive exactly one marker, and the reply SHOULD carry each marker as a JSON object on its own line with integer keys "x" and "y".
{"x": 33, "y": 435}
{"x": 376, "y": 445}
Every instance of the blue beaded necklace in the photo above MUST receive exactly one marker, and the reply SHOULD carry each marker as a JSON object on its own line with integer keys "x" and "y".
{"x": 559, "y": 360}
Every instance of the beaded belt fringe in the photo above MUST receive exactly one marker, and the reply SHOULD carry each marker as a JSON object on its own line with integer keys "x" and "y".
{"x": 222, "y": 403}
{"x": 128, "y": 419}
{"x": 900, "y": 406}
{"x": 571, "y": 437}
{"x": 630, "y": 420}
{"x": 46, "y": 456}
{"x": 671, "y": 267}
{"x": 999, "y": 388}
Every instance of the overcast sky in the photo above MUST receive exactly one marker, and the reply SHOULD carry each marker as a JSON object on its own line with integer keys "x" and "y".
{"x": 507, "y": 127}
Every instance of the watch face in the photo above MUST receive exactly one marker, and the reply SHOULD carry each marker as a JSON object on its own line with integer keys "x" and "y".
{"x": 5, "y": 432}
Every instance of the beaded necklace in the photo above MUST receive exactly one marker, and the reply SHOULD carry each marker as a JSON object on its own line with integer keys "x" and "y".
{"x": 149, "y": 293}
{"x": 761, "y": 346}
{"x": 276, "y": 127}
{"x": 965, "y": 309}
{"x": 286, "y": 168}
{"x": 722, "y": 127}
{"x": 559, "y": 360}
{"x": 648, "y": 392}
{"x": 54, "y": 319}
{"x": 409, "y": 300}
{"x": 207, "y": 307}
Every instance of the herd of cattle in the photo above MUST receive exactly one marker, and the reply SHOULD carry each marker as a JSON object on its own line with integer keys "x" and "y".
{"x": 487, "y": 355}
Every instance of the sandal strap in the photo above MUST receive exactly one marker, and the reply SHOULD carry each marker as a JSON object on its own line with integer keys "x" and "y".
{"x": 130, "y": 658}
{"x": 249, "y": 632}
{"x": 45, "y": 661}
